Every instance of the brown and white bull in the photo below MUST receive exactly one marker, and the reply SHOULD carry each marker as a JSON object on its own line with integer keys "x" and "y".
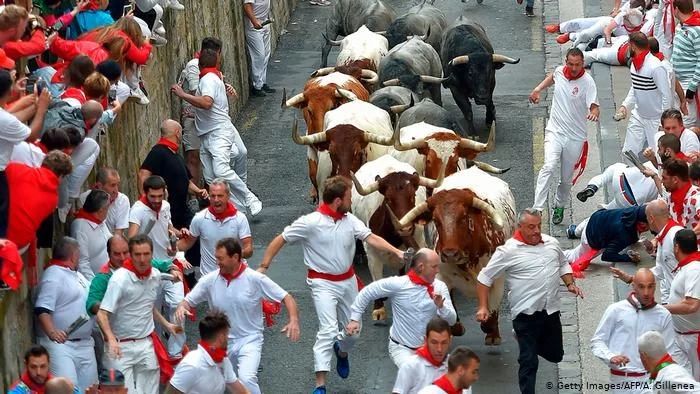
{"x": 354, "y": 133}
{"x": 473, "y": 213}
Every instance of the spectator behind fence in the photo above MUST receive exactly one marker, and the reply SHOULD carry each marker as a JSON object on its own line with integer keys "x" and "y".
{"x": 33, "y": 154}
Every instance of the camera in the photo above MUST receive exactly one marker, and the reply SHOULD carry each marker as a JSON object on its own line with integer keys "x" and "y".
{"x": 31, "y": 81}
{"x": 112, "y": 94}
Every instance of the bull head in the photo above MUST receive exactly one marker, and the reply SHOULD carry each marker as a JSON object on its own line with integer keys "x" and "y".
{"x": 463, "y": 142}
{"x": 367, "y": 76}
{"x": 374, "y": 186}
{"x": 323, "y": 137}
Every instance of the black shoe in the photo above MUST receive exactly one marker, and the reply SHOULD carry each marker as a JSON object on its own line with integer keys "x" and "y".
{"x": 268, "y": 89}
{"x": 586, "y": 193}
{"x": 529, "y": 12}
{"x": 257, "y": 93}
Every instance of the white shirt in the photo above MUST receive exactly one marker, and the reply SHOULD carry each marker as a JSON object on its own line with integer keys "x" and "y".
{"x": 197, "y": 373}
{"x": 411, "y": 305}
{"x": 689, "y": 142}
{"x": 141, "y": 214}
{"x": 675, "y": 375}
{"x": 28, "y": 154}
{"x": 64, "y": 292}
{"x": 261, "y": 9}
{"x": 649, "y": 90}
{"x": 329, "y": 246}
{"x": 240, "y": 300}
{"x": 686, "y": 284}
{"x": 619, "y": 329}
{"x": 118, "y": 214}
{"x": 691, "y": 208}
{"x": 665, "y": 263}
{"x": 216, "y": 117}
{"x": 643, "y": 188}
{"x": 417, "y": 373}
{"x": 189, "y": 79}
{"x": 571, "y": 105}
{"x": 92, "y": 238}
{"x": 209, "y": 230}
{"x": 130, "y": 302}
{"x": 12, "y": 132}
{"x": 533, "y": 274}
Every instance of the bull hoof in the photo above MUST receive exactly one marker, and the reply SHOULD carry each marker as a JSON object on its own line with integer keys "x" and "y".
{"x": 458, "y": 329}
{"x": 379, "y": 314}
{"x": 492, "y": 340}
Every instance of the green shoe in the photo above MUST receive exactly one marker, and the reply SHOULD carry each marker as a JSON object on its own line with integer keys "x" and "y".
{"x": 558, "y": 215}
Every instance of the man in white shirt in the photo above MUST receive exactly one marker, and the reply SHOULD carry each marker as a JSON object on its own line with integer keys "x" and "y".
{"x": 672, "y": 123}
{"x": 682, "y": 197}
{"x": 415, "y": 298}
{"x": 565, "y": 145}
{"x": 33, "y": 154}
{"x": 108, "y": 179}
{"x": 328, "y": 238}
{"x": 61, "y": 301}
{"x": 207, "y": 369}
{"x": 660, "y": 222}
{"x": 222, "y": 151}
{"x": 667, "y": 376}
{"x": 533, "y": 264}
{"x": 239, "y": 292}
{"x": 257, "y": 39}
{"x": 462, "y": 373}
{"x": 614, "y": 341}
{"x": 221, "y": 219}
{"x": 429, "y": 362}
{"x": 90, "y": 230}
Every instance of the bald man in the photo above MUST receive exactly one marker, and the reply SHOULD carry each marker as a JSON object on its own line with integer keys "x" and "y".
{"x": 615, "y": 339}
{"x": 59, "y": 386}
{"x": 415, "y": 297}
{"x": 660, "y": 222}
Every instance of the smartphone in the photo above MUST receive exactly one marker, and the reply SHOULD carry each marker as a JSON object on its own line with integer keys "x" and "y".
{"x": 31, "y": 81}
{"x": 112, "y": 94}
{"x": 127, "y": 9}
{"x": 40, "y": 85}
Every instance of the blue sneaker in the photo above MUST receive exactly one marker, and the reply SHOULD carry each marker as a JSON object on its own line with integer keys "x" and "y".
{"x": 342, "y": 365}
{"x": 571, "y": 232}
{"x": 319, "y": 390}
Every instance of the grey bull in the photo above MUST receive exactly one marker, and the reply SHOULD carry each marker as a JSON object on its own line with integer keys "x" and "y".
{"x": 421, "y": 20}
{"x": 413, "y": 64}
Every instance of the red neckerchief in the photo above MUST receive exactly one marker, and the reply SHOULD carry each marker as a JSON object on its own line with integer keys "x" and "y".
{"x": 669, "y": 224}
{"x": 328, "y": 211}
{"x": 206, "y": 70}
{"x": 518, "y": 236}
{"x": 74, "y": 93}
{"x": 669, "y": 6}
{"x": 665, "y": 360}
{"x": 423, "y": 352}
{"x": 41, "y": 146}
{"x": 107, "y": 267}
{"x": 130, "y": 266}
{"x": 659, "y": 55}
{"x": 83, "y": 214}
{"x": 229, "y": 212}
{"x": 446, "y": 385}
{"x": 677, "y": 197}
{"x": 632, "y": 29}
{"x": 217, "y": 354}
{"x": 230, "y": 277}
{"x": 147, "y": 203}
{"x": 33, "y": 386}
{"x": 695, "y": 256}
{"x": 415, "y": 278}
{"x": 682, "y": 156}
{"x": 634, "y": 301}
{"x": 59, "y": 263}
{"x": 638, "y": 59}
{"x": 168, "y": 144}
{"x": 694, "y": 19}
{"x": 571, "y": 77}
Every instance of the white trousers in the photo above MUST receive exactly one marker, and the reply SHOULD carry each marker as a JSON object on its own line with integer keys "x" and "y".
{"x": 690, "y": 120}
{"x": 574, "y": 254}
{"x": 689, "y": 346}
{"x": 332, "y": 301}
{"x": 578, "y": 24}
{"x": 258, "y": 43}
{"x": 586, "y": 35}
{"x": 73, "y": 360}
{"x": 635, "y": 384}
{"x": 610, "y": 178}
{"x": 244, "y": 354}
{"x": 399, "y": 353}
{"x": 640, "y": 133}
{"x": 224, "y": 156}
{"x": 83, "y": 158}
{"x": 139, "y": 365}
{"x": 170, "y": 297}
{"x": 557, "y": 150}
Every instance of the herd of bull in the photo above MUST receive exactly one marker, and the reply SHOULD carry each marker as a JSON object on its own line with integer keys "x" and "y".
{"x": 376, "y": 117}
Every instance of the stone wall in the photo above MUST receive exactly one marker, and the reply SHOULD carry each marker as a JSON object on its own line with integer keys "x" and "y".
{"x": 129, "y": 140}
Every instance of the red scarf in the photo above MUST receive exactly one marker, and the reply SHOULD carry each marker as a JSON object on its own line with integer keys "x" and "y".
{"x": 695, "y": 256}
{"x": 423, "y": 352}
{"x": 665, "y": 360}
{"x": 632, "y": 29}
{"x": 83, "y": 214}
{"x": 33, "y": 386}
{"x": 677, "y": 198}
{"x": 229, "y": 212}
{"x": 668, "y": 10}
{"x": 682, "y": 156}
{"x": 328, "y": 211}
{"x": 229, "y": 277}
{"x": 671, "y": 223}
{"x": 634, "y": 301}
{"x": 130, "y": 266}
{"x": 694, "y": 19}
{"x": 217, "y": 354}
{"x": 168, "y": 144}
{"x": 446, "y": 385}
{"x": 571, "y": 77}
{"x": 206, "y": 70}
{"x": 659, "y": 55}
{"x": 638, "y": 59}
{"x": 147, "y": 203}
{"x": 59, "y": 263}
{"x": 519, "y": 237}
{"x": 415, "y": 278}
{"x": 270, "y": 308}
{"x": 74, "y": 93}
{"x": 41, "y": 146}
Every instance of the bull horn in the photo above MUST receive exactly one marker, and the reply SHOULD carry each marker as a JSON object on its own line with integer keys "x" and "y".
{"x": 380, "y": 32}
{"x": 373, "y": 187}
{"x": 370, "y": 76}
{"x": 322, "y": 71}
{"x": 331, "y": 42}
{"x": 504, "y": 59}
{"x": 409, "y": 217}
{"x": 294, "y": 100}
{"x": 487, "y": 167}
{"x": 379, "y": 139}
{"x": 478, "y": 146}
{"x": 431, "y": 79}
{"x": 399, "y": 108}
{"x": 491, "y": 142}
{"x": 464, "y": 59}
{"x": 344, "y": 93}
{"x": 400, "y": 146}
{"x": 495, "y": 217}
{"x": 306, "y": 139}
{"x": 433, "y": 183}
{"x": 392, "y": 82}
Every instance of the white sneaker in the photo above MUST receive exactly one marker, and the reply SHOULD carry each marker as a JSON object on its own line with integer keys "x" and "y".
{"x": 157, "y": 40}
{"x": 139, "y": 97}
{"x": 160, "y": 30}
{"x": 175, "y": 5}
{"x": 255, "y": 207}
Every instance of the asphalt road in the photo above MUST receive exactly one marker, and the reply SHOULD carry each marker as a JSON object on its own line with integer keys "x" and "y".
{"x": 278, "y": 173}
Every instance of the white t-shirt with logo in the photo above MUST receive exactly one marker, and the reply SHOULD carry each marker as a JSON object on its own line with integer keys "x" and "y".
{"x": 571, "y": 105}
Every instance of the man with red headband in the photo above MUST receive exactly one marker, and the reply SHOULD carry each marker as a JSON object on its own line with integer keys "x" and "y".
{"x": 565, "y": 145}
{"x": 36, "y": 373}
{"x": 667, "y": 375}
{"x": 462, "y": 373}
{"x": 328, "y": 238}
{"x": 108, "y": 180}
{"x": 415, "y": 299}
{"x": 207, "y": 369}
{"x": 685, "y": 58}
{"x": 90, "y": 230}
{"x": 615, "y": 339}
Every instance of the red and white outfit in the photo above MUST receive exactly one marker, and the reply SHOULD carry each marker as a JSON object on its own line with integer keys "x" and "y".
{"x": 198, "y": 373}
{"x": 329, "y": 247}
{"x": 442, "y": 385}
{"x": 412, "y": 305}
{"x": 92, "y": 235}
{"x": 665, "y": 27}
{"x": 118, "y": 214}
{"x": 240, "y": 297}
{"x": 31, "y": 154}
{"x": 565, "y": 135}
{"x": 64, "y": 292}
{"x": 673, "y": 376}
{"x": 686, "y": 283}
{"x": 684, "y": 205}
{"x": 419, "y": 372}
{"x": 689, "y": 142}
{"x": 665, "y": 259}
